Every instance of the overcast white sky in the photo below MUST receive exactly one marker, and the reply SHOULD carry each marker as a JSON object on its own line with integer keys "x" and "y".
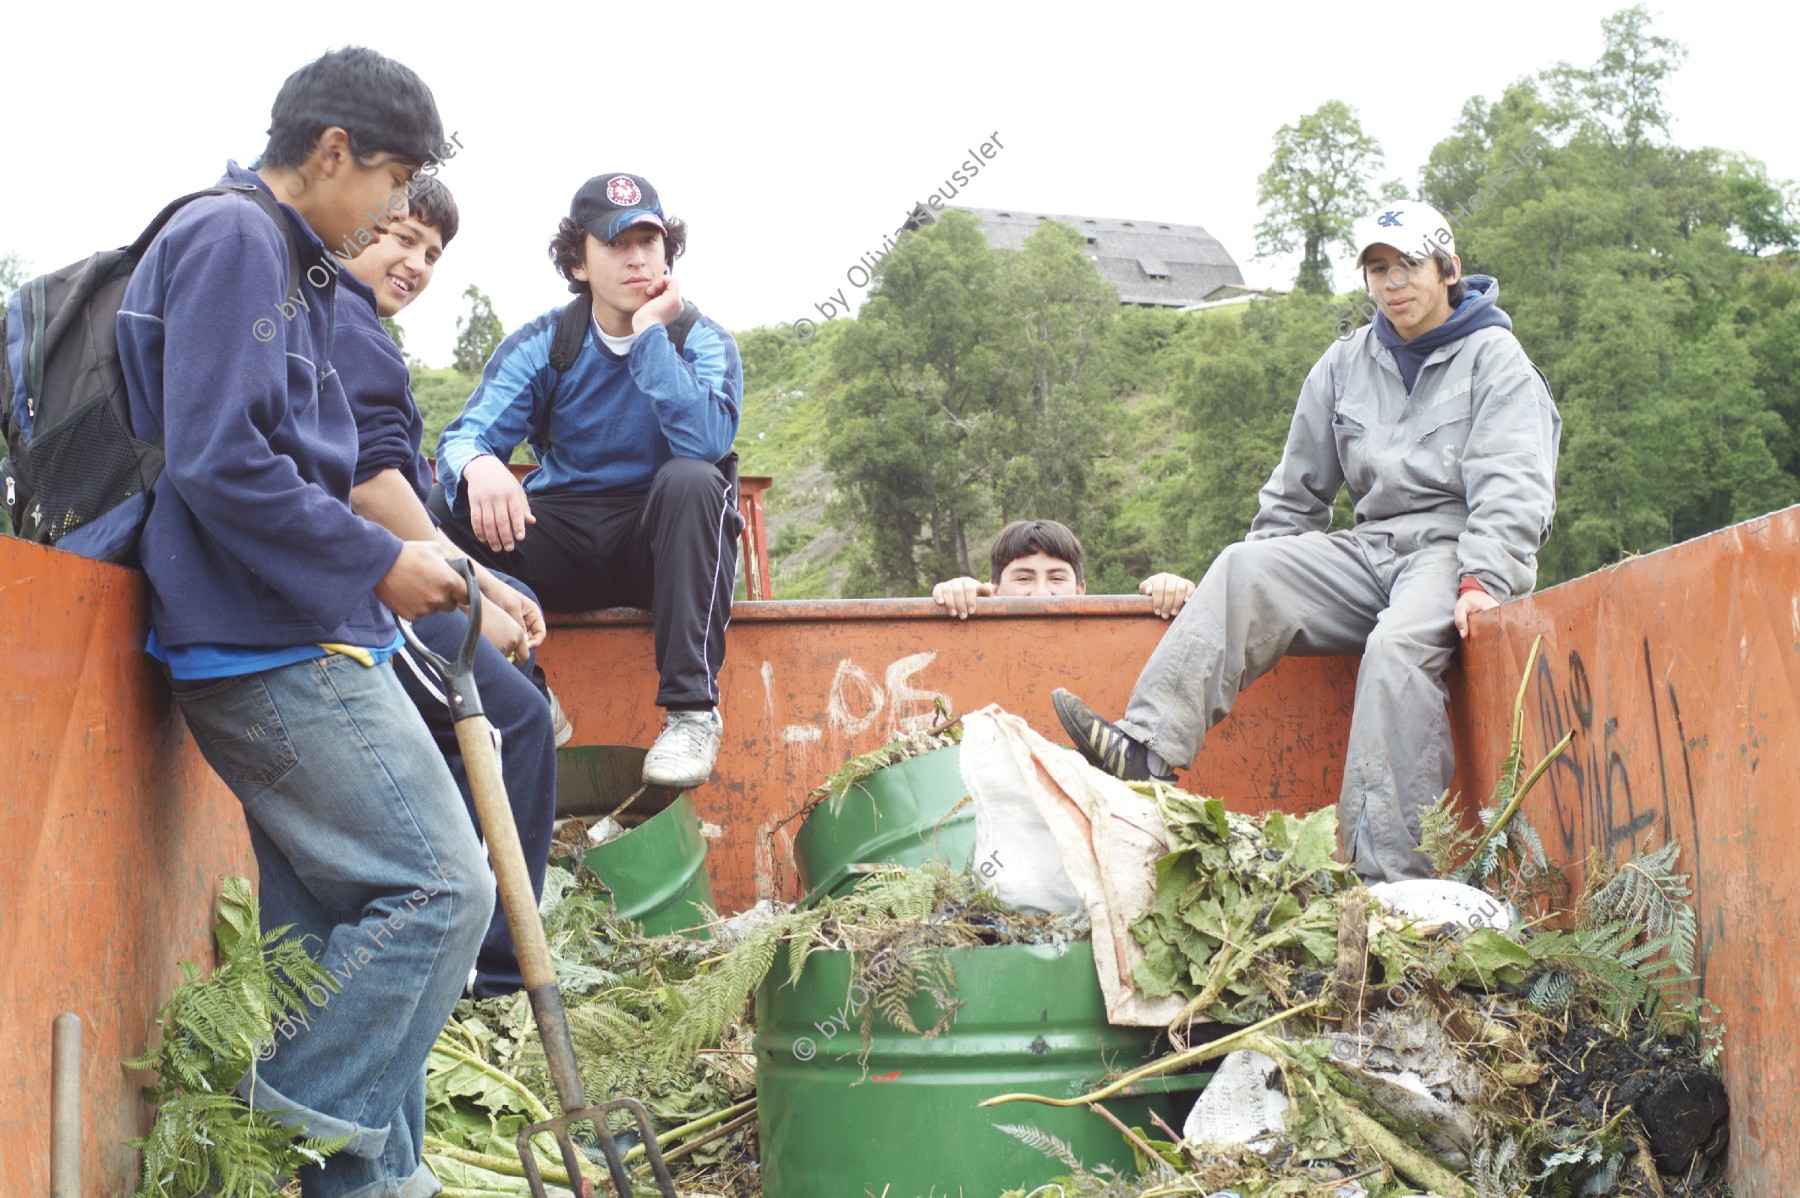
{"x": 793, "y": 137}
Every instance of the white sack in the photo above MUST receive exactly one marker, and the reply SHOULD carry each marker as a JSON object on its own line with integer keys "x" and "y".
{"x": 1009, "y": 831}
{"x": 1436, "y": 900}
{"x": 1106, "y": 835}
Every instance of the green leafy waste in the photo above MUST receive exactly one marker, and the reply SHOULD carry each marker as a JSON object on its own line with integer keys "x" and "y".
{"x": 668, "y": 1020}
{"x": 205, "y": 1140}
{"x": 1245, "y": 916}
{"x": 1255, "y": 925}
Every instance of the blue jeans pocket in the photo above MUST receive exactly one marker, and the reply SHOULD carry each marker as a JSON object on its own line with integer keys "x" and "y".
{"x": 239, "y": 730}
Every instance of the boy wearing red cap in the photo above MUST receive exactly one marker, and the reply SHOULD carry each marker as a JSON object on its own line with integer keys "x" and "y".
{"x": 631, "y": 504}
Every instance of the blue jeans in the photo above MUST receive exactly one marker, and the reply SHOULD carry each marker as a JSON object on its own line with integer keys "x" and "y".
{"x": 363, "y": 846}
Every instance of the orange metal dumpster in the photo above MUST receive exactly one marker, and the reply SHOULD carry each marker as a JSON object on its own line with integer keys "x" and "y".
{"x": 1679, "y": 670}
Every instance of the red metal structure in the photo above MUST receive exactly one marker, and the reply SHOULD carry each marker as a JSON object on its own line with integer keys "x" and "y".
{"x": 1680, "y": 672}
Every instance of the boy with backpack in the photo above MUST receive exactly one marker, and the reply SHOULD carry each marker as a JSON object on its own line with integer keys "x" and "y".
{"x": 630, "y": 400}
{"x": 392, "y": 482}
{"x": 270, "y": 610}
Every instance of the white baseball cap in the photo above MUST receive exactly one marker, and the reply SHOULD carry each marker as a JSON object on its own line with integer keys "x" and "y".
{"x": 1413, "y": 227}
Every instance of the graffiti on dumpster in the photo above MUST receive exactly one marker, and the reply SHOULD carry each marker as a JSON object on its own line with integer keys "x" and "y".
{"x": 1609, "y": 790}
{"x": 855, "y": 702}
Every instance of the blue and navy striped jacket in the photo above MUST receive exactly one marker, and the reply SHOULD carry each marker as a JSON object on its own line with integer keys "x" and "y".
{"x": 610, "y": 421}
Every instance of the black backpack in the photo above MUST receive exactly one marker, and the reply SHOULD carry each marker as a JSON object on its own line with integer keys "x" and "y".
{"x": 74, "y": 476}
{"x": 572, "y": 327}
{"x": 571, "y": 334}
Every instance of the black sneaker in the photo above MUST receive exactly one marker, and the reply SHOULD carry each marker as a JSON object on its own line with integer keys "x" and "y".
{"x": 1104, "y": 743}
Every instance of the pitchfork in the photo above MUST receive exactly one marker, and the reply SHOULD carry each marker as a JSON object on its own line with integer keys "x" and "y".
{"x": 482, "y": 763}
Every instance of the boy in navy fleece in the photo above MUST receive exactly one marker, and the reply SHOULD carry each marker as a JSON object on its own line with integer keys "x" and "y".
{"x": 392, "y": 481}
{"x": 270, "y": 609}
{"x": 629, "y": 505}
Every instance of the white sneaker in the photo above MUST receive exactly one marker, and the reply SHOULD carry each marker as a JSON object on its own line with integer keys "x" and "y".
{"x": 682, "y": 757}
{"x": 565, "y": 731}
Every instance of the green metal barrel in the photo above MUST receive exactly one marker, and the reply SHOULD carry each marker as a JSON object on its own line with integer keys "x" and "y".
{"x": 657, "y": 871}
{"x": 894, "y": 815}
{"x": 1032, "y": 1020}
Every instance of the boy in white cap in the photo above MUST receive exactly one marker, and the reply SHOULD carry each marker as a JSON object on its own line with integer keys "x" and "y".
{"x": 1447, "y": 436}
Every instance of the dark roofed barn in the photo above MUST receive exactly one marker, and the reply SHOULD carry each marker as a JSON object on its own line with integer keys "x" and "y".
{"x": 1149, "y": 262}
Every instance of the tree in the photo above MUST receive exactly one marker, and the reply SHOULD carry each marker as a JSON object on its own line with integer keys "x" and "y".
{"x": 971, "y": 383}
{"x": 1765, "y": 213}
{"x": 13, "y": 271}
{"x": 1624, "y": 89}
{"x": 920, "y": 372}
{"x": 1055, "y": 314}
{"x": 1623, "y": 270}
{"x": 478, "y": 334}
{"x": 1317, "y": 184}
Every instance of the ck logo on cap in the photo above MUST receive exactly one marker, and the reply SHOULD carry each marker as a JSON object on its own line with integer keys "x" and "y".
{"x": 1389, "y": 219}
{"x": 622, "y": 191}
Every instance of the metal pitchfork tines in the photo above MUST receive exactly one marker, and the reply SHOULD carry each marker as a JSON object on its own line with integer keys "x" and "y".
{"x": 482, "y": 762}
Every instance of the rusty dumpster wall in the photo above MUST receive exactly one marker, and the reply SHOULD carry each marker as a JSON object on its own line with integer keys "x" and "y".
{"x": 1678, "y": 669}
{"x": 113, "y": 835}
{"x": 807, "y": 684}
{"x": 1680, "y": 673}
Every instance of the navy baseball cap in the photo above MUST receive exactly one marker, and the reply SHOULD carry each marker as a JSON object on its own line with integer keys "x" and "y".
{"x": 607, "y": 205}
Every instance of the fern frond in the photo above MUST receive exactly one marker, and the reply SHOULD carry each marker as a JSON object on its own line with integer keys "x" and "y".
{"x": 212, "y": 1029}
{"x": 1649, "y": 892}
{"x": 1604, "y": 962}
{"x": 1042, "y": 1141}
{"x": 1442, "y": 835}
{"x": 1551, "y": 992}
{"x": 716, "y": 999}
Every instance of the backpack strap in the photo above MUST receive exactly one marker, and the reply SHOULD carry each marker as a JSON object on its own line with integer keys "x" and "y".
{"x": 571, "y": 334}
{"x": 137, "y": 249}
{"x": 681, "y": 325}
{"x": 572, "y": 327}
{"x": 571, "y": 331}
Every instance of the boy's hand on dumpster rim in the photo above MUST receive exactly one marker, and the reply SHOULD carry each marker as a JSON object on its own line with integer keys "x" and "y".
{"x": 1467, "y": 605}
{"x": 1168, "y": 593}
{"x": 957, "y": 596}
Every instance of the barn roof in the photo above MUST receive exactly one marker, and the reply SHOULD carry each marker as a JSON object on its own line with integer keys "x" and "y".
{"x": 1150, "y": 262}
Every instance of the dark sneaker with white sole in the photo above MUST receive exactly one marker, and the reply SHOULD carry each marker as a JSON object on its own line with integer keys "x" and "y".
{"x": 1104, "y": 743}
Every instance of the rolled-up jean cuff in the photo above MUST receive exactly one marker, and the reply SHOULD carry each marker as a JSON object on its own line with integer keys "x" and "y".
{"x": 422, "y": 1184}
{"x": 365, "y": 1142}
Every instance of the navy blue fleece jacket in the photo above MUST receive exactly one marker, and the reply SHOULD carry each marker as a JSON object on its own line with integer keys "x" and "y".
{"x": 251, "y": 540}
{"x": 389, "y": 428}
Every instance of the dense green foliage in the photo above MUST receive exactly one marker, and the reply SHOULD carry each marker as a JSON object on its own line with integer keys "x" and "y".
{"x": 213, "y": 1030}
{"x": 1656, "y": 286}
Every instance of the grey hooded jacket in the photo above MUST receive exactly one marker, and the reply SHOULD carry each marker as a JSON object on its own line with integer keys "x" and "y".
{"x": 1470, "y": 455}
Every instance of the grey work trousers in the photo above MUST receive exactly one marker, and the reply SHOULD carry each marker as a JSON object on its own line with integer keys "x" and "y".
{"x": 1391, "y": 598}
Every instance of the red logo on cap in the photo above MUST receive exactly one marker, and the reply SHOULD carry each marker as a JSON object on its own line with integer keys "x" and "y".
{"x": 622, "y": 191}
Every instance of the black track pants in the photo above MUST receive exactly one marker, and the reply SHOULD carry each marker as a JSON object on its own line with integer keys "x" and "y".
{"x": 672, "y": 549}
